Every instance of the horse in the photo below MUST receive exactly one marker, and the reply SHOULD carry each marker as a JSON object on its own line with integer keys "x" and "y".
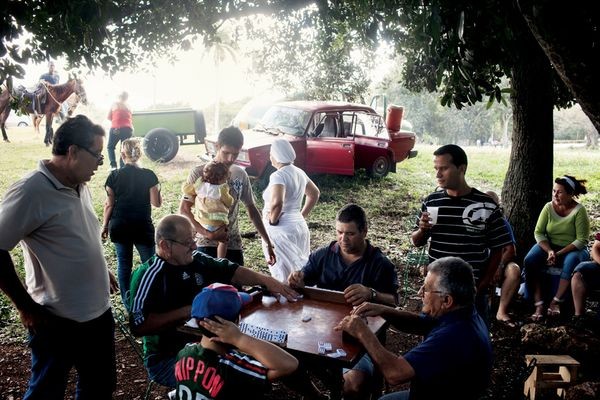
{"x": 72, "y": 102}
{"x": 55, "y": 96}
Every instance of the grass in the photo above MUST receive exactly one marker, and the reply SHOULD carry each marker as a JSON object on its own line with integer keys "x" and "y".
{"x": 392, "y": 203}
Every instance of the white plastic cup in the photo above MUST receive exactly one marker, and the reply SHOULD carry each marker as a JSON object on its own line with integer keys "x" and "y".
{"x": 433, "y": 214}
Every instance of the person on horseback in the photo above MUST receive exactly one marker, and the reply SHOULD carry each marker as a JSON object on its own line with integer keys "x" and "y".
{"x": 51, "y": 76}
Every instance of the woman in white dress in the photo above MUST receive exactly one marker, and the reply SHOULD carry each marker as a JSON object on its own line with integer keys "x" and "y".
{"x": 284, "y": 215}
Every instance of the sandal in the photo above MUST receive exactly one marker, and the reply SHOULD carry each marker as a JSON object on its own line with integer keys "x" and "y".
{"x": 538, "y": 316}
{"x": 508, "y": 323}
{"x": 554, "y": 307}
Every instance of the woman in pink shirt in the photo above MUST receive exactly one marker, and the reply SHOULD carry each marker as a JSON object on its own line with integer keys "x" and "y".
{"x": 121, "y": 128}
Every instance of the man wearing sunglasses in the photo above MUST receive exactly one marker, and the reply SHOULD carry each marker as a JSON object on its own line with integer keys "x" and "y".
{"x": 454, "y": 361}
{"x": 65, "y": 303}
{"x": 164, "y": 287}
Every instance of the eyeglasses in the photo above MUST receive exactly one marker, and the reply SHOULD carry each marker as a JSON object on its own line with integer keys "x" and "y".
{"x": 98, "y": 156}
{"x": 188, "y": 243}
{"x": 422, "y": 291}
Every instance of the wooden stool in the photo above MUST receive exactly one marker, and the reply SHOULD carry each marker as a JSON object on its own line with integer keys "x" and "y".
{"x": 546, "y": 376}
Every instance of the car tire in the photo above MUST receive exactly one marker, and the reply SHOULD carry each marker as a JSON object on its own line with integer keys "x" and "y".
{"x": 22, "y": 124}
{"x": 380, "y": 167}
{"x": 161, "y": 145}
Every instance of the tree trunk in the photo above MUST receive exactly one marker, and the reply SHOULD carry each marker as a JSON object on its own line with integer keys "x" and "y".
{"x": 569, "y": 35}
{"x": 528, "y": 181}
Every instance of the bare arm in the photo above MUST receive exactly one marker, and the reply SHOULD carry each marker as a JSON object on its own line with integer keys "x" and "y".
{"x": 277, "y": 361}
{"x": 404, "y": 321}
{"x": 357, "y": 293}
{"x": 490, "y": 271}
{"x": 109, "y": 204}
{"x": 312, "y": 193}
{"x": 395, "y": 369}
{"x": 246, "y": 276}
{"x": 155, "y": 196}
{"x": 277, "y": 194}
{"x": 420, "y": 236}
{"x": 31, "y": 313}
{"x": 567, "y": 249}
{"x": 596, "y": 251}
{"x": 509, "y": 252}
{"x": 256, "y": 219}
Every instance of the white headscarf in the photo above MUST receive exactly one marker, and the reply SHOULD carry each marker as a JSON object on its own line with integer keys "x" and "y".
{"x": 282, "y": 151}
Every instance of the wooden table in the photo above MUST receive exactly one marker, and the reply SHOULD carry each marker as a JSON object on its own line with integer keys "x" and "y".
{"x": 326, "y": 308}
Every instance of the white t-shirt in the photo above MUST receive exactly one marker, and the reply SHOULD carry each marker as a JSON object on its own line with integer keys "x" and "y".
{"x": 294, "y": 180}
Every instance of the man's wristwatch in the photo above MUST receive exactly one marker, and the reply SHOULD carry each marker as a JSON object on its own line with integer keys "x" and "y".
{"x": 373, "y": 294}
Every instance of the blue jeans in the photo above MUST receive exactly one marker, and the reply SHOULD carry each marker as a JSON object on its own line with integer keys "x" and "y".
{"x": 161, "y": 370}
{"x": 63, "y": 344}
{"x": 116, "y": 135}
{"x": 125, "y": 265}
{"x": 535, "y": 260}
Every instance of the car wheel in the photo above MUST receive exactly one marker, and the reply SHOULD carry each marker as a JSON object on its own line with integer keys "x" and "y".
{"x": 161, "y": 145}
{"x": 22, "y": 124}
{"x": 380, "y": 167}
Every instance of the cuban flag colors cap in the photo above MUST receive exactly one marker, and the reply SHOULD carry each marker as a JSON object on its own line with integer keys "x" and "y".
{"x": 220, "y": 300}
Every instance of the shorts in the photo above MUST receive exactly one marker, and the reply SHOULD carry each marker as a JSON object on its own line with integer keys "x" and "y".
{"x": 590, "y": 271}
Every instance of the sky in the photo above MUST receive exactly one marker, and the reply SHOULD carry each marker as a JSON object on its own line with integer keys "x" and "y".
{"x": 191, "y": 80}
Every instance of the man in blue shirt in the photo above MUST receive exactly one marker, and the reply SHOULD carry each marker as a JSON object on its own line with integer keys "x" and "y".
{"x": 352, "y": 265}
{"x": 455, "y": 358}
{"x": 51, "y": 76}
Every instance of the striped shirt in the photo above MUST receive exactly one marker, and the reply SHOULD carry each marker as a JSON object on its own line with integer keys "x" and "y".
{"x": 468, "y": 227}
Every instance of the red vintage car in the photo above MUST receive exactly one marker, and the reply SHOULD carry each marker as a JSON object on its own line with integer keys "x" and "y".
{"x": 328, "y": 137}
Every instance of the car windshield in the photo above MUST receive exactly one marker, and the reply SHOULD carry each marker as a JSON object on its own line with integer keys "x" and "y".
{"x": 278, "y": 120}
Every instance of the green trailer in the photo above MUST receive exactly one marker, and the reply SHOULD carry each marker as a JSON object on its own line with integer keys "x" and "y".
{"x": 165, "y": 130}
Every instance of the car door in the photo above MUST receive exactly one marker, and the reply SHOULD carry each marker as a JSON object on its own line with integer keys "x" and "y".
{"x": 328, "y": 150}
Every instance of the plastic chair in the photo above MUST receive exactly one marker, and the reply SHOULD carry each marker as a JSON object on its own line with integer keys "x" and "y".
{"x": 122, "y": 323}
{"x": 415, "y": 259}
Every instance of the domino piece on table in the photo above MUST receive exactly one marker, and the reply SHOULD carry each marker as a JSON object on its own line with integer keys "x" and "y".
{"x": 268, "y": 301}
